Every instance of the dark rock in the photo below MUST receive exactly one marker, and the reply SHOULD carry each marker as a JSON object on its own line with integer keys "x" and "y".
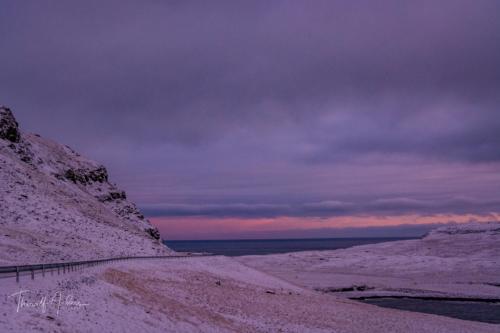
{"x": 22, "y": 149}
{"x": 8, "y": 125}
{"x": 73, "y": 176}
{"x": 99, "y": 175}
{"x": 153, "y": 232}
{"x": 346, "y": 289}
{"x": 58, "y": 176}
{"x": 86, "y": 176}
{"x": 118, "y": 195}
{"x": 25, "y": 154}
{"x": 26, "y": 159}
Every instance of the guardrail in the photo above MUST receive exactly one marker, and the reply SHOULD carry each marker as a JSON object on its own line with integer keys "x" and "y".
{"x": 64, "y": 267}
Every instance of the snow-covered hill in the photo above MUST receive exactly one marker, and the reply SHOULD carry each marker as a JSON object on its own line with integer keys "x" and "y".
{"x": 461, "y": 260}
{"x": 56, "y": 205}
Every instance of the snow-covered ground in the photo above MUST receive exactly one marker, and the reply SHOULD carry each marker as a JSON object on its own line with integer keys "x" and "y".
{"x": 56, "y": 205}
{"x": 211, "y": 294}
{"x": 454, "y": 261}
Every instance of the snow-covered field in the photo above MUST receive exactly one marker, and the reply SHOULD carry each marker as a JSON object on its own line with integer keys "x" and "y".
{"x": 454, "y": 261}
{"x": 211, "y": 294}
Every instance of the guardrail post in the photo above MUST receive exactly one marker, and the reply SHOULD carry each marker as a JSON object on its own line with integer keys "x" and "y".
{"x": 64, "y": 268}
{"x": 32, "y": 274}
{"x": 17, "y": 274}
{"x": 58, "y": 270}
{"x": 43, "y": 270}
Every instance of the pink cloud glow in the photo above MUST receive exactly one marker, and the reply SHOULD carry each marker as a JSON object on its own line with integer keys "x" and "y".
{"x": 220, "y": 228}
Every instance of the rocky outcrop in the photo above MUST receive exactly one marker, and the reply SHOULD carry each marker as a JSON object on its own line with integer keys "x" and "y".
{"x": 22, "y": 148}
{"x": 9, "y": 131}
{"x": 111, "y": 196}
{"x": 153, "y": 232}
{"x": 8, "y": 125}
{"x": 86, "y": 176}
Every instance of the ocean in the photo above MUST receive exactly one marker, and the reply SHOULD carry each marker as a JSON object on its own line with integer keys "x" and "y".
{"x": 243, "y": 247}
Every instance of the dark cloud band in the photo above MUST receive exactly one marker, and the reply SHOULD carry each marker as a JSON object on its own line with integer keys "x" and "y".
{"x": 392, "y": 206}
{"x": 280, "y": 102}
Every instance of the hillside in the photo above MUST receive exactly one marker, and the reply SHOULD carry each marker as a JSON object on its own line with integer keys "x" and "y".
{"x": 56, "y": 205}
{"x": 453, "y": 261}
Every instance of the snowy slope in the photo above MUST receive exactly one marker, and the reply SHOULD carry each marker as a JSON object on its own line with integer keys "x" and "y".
{"x": 460, "y": 260}
{"x": 211, "y": 294}
{"x": 56, "y": 205}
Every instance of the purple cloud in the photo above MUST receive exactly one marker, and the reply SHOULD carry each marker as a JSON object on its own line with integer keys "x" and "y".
{"x": 268, "y": 108}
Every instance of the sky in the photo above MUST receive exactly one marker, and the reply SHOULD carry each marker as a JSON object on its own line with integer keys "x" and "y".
{"x": 265, "y": 119}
